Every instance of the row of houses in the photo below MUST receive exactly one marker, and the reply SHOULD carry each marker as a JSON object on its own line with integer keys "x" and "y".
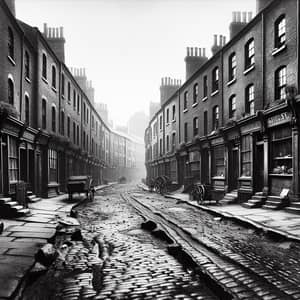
{"x": 49, "y": 127}
{"x": 233, "y": 125}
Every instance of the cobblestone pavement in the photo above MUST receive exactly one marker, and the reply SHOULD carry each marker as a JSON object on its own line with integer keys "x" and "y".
{"x": 115, "y": 260}
{"x": 277, "y": 262}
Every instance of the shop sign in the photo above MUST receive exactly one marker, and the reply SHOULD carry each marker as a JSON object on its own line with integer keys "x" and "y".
{"x": 279, "y": 119}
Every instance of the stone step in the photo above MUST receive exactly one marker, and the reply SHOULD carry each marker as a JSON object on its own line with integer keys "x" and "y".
{"x": 17, "y": 207}
{"x": 248, "y": 205}
{"x": 259, "y": 197}
{"x": 33, "y": 198}
{"x": 11, "y": 203}
{"x": 254, "y": 201}
{"x": 294, "y": 210}
{"x": 29, "y": 193}
{"x": 274, "y": 199}
{"x": 259, "y": 194}
{"x": 295, "y": 204}
{"x": 273, "y": 203}
{"x": 5, "y": 199}
{"x": 269, "y": 207}
{"x": 23, "y": 212}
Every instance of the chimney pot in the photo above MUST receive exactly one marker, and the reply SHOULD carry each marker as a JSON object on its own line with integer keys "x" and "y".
{"x": 239, "y": 17}
{"x": 187, "y": 51}
{"x": 221, "y": 40}
{"x": 233, "y": 16}
{"x": 45, "y": 29}
{"x": 215, "y": 39}
{"x": 61, "y": 32}
{"x": 192, "y": 52}
{"x": 196, "y": 51}
{"x": 203, "y": 52}
{"x": 249, "y": 16}
{"x": 57, "y": 32}
{"x": 244, "y": 17}
{"x": 224, "y": 40}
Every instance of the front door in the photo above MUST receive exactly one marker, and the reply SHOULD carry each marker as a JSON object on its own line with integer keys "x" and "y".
{"x": 205, "y": 167}
{"x": 23, "y": 164}
{"x": 259, "y": 168}
{"x": 233, "y": 169}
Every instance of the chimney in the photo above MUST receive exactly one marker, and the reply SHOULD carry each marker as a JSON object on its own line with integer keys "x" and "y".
{"x": 239, "y": 21}
{"x": 195, "y": 58}
{"x": 168, "y": 88}
{"x": 56, "y": 40}
{"x": 11, "y": 5}
{"x": 80, "y": 77}
{"x": 218, "y": 43}
{"x": 262, "y": 4}
{"x": 90, "y": 92}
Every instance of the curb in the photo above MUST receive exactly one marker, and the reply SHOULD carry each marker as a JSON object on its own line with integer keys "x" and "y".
{"x": 242, "y": 220}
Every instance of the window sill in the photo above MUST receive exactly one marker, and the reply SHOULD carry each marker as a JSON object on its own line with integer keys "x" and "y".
{"x": 174, "y": 120}
{"x": 218, "y": 178}
{"x": 12, "y": 61}
{"x": 204, "y": 99}
{"x": 27, "y": 79}
{"x": 195, "y": 104}
{"x": 45, "y": 79}
{"x": 232, "y": 81}
{"x": 249, "y": 69}
{"x": 279, "y": 50}
{"x": 185, "y": 110}
{"x": 214, "y": 93}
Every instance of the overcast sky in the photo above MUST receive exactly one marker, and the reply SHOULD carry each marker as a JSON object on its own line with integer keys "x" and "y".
{"x": 126, "y": 46}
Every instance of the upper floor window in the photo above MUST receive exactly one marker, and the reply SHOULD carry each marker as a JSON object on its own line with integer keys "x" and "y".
{"x": 168, "y": 117}
{"x": 232, "y": 106}
{"x": 160, "y": 122}
{"x": 173, "y": 112}
{"x": 185, "y": 100}
{"x": 205, "y": 123}
{"x": 215, "y": 117}
{"x": 54, "y": 77}
{"x": 68, "y": 126}
{"x": 280, "y": 83}
{"x": 215, "y": 79}
{"x": 44, "y": 66}
{"x": 62, "y": 84}
{"x": 11, "y": 43}
{"x": 69, "y": 91}
{"x": 11, "y": 91}
{"x": 249, "y": 97}
{"x": 160, "y": 147}
{"x": 78, "y": 104}
{"x": 74, "y": 100}
{"x": 249, "y": 54}
{"x": 185, "y": 132}
{"x": 44, "y": 113}
{"x": 62, "y": 122}
{"x": 195, "y": 126}
{"x": 26, "y": 109}
{"x": 195, "y": 93}
{"x": 74, "y": 132}
{"x": 168, "y": 143}
{"x": 280, "y": 31}
{"x": 205, "y": 87}
{"x": 173, "y": 141}
{"x": 27, "y": 65}
{"x": 53, "y": 116}
{"x": 232, "y": 67}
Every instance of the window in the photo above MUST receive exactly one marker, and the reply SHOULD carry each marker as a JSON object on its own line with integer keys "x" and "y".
{"x": 215, "y": 79}
{"x": 160, "y": 147}
{"x": 44, "y": 113}
{"x": 168, "y": 143}
{"x": 168, "y": 117}
{"x": 160, "y": 122}
{"x": 77, "y": 134}
{"x": 62, "y": 122}
{"x": 249, "y": 54}
{"x": 63, "y": 84}
{"x": 54, "y": 77}
{"x": 74, "y": 132}
{"x": 11, "y": 92}
{"x": 185, "y": 100}
{"x": 173, "y": 141}
{"x": 215, "y": 117}
{"x": 232, "y": 67}
{"x": 280, "y": 31}
{"x": 44, "y": 67}
{"x": 246, "y": 155}
{"x": 11, "y": 43}
{"x": 249, "y": 97}
{"x": 195, "y": 126}
{"x": 232, "y": 106}
{"x": 78, "y": 104}
{"x": 173, "y": 112}
{"x": 185, "y": 132}
{"x": 27, "y": 65}
{"x": 53, "y": 116}
{"x": 205, "y": 87}
{"x": 218, "y": 168}
{"x": 69, "y": 127}
{"x": 195, "y": 93}
{"x": 84, "y": 113}
{"x": 52, "y": 165}
{"x": 26, "y": 109}
{"x": 83, "y": 140}
{"x": 12, "y": 159}
{"x": 87, "y": 115}
{"x": 69, "y": 92}
{"x": 280, "y": 83}
{"x": 74, "y": 100}
{"x": 205, "y": 123}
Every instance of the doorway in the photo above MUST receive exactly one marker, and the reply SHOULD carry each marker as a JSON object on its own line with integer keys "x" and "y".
{"x": 23, "y": 164}
{"x": 205, "y": 167}
{"x": 259, "y": 167}
{"x": 233, "y": 168}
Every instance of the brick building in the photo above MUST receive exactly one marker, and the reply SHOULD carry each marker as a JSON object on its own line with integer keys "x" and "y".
{"x": 49, "y": 127}
{"x": 237, "y": 113}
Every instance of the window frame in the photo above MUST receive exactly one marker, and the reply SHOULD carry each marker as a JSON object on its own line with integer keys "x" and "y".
{"x": 280, "y": 31}
{"x": 26, "y": 109}
{"x": 232, "y": 106}
{"x": 249, "y": 54}
{"x": 195, "y": 126}
{"x": 11, "y": 44}
{"x": 10, "y": 91}
{"x": 53, "y": 118}
{"x": 249, "y": 99}
{"x": 215, "y": 117}
{"x": 44, "y": 66}
{"x": 44, "y": 113}
{"x": 185, "y": 100}
{"x": 27, "y": 65}
{"x": 195, "y": 93}
{"x": 215, "y": 79}
{"x": 232, "y": 66}
{"x": 278, "y": 85}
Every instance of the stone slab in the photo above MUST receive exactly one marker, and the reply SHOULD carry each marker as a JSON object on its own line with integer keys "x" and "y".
{"x": 36, "y": 241}
{"x": 8, "y": 286}
{"x": 6, "y": 239}
{"x": 30, "y": 252}
{"x": 31, "y": 229}
{"x": 17, "y": 244}
{"x": 37, "y": 219}
{"x": 48, "y": 225}
{"x": 42, "y": 235}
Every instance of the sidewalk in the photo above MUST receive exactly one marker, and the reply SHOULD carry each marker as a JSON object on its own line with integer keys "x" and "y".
{"x": 276, "y": 221}
{"x": 22, "y": 237}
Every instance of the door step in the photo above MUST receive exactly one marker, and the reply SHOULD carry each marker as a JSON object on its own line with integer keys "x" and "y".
{"x": 275, "y": 202}
{"x": 293, "y": 208}
{"x": 12, "y": 209}
{"x": 229, "y": 198}
{"x": 257, "y": 200}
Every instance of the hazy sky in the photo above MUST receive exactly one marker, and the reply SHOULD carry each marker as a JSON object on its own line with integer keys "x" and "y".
{"x": 126, "y": 46}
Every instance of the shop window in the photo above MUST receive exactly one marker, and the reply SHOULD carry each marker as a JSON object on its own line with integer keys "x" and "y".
{"x": 280, "y": 32}
{"x": 27, "y": 111}
{"x": 280, "y": 83}
{"x": 195, "y": 126}
{"x": 281, "y": 151}
{"x": 232, "y": 106}
{"x": 52, "y": 157}
{"x": 249, "y": 54}
{"x": 215, "y": 79}
{"x": 195, "y": 93}
{"x": 218, "y": 167}
{"x": 11, "y": 43}
{"x": 27, "y": 65}
{"x": 215, "y": 117}
{"x": 246, "y": 155}
{"x": 11, "y": 92}
{"x": 249, "y": 97}
{"x": 13, "y": 168}
{"x": 232, "y": 67}
{"x": 44, "y": 113}
{"x": 205, "y": 87}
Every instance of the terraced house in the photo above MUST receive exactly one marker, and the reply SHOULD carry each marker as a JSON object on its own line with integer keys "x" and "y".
{"x": 49, "y": 127}
{"x": 233, "y": 125}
